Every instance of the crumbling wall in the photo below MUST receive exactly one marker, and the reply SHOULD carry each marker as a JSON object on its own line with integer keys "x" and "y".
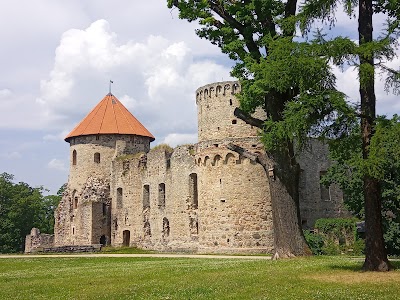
{"x": 316, "y": 200}
{"x": 36, "y": 241}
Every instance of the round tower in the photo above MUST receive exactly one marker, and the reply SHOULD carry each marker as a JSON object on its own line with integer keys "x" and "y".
{"x": 234, "y": 200}
{"x": 108, "y": 131}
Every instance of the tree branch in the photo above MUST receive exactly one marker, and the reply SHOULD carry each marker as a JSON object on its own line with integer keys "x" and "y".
{"x": 248, "y": 119}
{"x": 255, "y": 157}
{"x": 248, "y": 37}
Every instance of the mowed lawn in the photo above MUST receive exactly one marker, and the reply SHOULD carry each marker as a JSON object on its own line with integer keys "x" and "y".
{"x": 193, "y": 278}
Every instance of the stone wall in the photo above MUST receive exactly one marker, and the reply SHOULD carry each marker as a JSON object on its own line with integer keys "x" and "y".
{"x": 215, "y": 105}
{"x": 316, "y": 200}
{"x": 200, "y": 197}
{"x": 36, "y": 241}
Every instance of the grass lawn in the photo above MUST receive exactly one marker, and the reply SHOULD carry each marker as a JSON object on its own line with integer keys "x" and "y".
{"x": 185, "y": 278}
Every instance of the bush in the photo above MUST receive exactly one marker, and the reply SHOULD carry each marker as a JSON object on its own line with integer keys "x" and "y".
{"x": 334, "y": 236}
{"x": 315, "y": 241}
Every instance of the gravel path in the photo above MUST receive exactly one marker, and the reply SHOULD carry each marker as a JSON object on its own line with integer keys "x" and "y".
{"x": 136, "y": 255}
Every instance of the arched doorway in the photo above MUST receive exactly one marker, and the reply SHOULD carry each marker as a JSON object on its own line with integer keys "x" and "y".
{"x": 126, "y": 234}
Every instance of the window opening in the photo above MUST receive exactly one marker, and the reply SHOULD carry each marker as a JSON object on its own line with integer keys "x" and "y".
{"x": 74, "y": 158}
{"x": 161, "y": 195}
{"x": 146, "y": 197}
{"x": 119, "y": 197}
{"x": 97, "y": 157}
{"x": 193, "y": 191}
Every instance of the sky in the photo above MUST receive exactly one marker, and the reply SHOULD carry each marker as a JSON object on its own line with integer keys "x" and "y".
{"x": 57, "y": 58}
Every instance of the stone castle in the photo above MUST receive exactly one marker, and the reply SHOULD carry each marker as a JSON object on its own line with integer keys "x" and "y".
{"x": 200, "y": 198}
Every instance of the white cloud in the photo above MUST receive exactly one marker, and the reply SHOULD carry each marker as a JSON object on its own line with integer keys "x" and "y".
{"x": 175, "y": 139}
{"x": 156, "y": 78}
{"x": 56, "y": 164}
{"x": 5, "y": 93}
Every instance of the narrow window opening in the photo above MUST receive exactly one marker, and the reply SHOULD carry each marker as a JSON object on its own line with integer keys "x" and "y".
{"x": 97, "y": 137}
{"x": 230, "y": 101}
{"x": 73, "y": 231}
{"x": 75, "y": 202}
{"x": 193, "y": 191}
{"x": 97, "y": 157}
{"x": 74, "y": 158}
{"x": 325, "y": 196}
{"x": 146, "y": 197}
{"x": 119, "y": 197}
{"x": 234, "y": 121}
{"x": 166, "y": 229}
{"x": 161, "y": 195}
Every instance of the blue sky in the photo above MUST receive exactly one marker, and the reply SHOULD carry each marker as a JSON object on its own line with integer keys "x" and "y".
{"x": 57, "y": 57}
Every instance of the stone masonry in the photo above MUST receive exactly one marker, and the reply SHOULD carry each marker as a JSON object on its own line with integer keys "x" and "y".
{"x": 197, "y": 198}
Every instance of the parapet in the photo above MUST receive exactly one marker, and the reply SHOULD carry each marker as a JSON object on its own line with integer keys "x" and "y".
{"x": 216, "y": 103}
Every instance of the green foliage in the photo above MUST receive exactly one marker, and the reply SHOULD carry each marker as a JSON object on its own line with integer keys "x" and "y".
{"x": 338, "y": 235}
{"x": 165, "y": 147}
{"x": 383, "y": 163}
{"x": 21, "y": 208}
{"x": 291, "y": 80}
{"x": 315, "y": 241}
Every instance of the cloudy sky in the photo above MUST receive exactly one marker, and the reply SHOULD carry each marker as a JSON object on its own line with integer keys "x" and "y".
{"x": 58, "y": 56}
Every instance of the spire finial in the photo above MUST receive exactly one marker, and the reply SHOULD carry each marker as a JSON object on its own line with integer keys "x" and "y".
{"x": 109, "y": 89}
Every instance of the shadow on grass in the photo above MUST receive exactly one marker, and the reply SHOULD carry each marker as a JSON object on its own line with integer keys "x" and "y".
{"x": 357, "y": 264}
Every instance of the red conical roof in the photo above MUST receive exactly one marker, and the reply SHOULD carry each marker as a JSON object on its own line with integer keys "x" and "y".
{"x": 109, "y": 117}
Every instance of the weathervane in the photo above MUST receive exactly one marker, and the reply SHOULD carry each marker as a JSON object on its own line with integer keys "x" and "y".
{"x": 109, "y": 89}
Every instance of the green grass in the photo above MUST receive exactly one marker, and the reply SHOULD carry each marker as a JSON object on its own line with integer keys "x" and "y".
{"x": 184, "y": 278}
{"x": 124, "y": 250}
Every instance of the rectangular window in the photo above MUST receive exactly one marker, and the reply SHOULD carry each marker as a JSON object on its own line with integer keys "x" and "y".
{"x": 146, "y": 196}
{"x": 119, "y": 197}
{"x": 193, "y": 191}
{"x": 161, "y": 195}
{"x": 325, "y": 196}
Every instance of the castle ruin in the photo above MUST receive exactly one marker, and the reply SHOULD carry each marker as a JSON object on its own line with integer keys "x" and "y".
{"x": 200, "y": 198}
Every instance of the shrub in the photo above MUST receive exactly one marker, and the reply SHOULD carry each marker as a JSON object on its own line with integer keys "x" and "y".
{"x": 315, "y": 241}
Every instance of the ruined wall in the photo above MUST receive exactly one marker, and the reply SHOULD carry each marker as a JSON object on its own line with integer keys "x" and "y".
{"x": 316, "y": 200}
{"x": 36, "y": 241}
{"x": 154, "y": 211}
{"x": 200, "y": 197}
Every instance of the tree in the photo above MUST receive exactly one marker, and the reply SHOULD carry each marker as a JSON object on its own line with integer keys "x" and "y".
{"x": 279, "y": 75}
{"x": 21, "y": 208}
{"x": 384, "y": 163}
{"x": 367, "y": 55}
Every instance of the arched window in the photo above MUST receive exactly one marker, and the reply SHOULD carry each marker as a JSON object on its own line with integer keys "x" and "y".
{"x": 97, "y": 157}
{"x": 74, "y": 158}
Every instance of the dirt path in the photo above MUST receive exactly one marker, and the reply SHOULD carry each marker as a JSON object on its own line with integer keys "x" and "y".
{"x": 136, "y": 255}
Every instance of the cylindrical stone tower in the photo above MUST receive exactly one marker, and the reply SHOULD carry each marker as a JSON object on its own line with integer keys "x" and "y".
{"x": 109, "y": 130}
{"x": 234, "y": 212}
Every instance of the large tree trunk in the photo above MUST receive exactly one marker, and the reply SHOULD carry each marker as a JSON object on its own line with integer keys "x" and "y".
{"x": 283, "y": 179}
{"x": 289, "y": 240}
{"x": 375, "y": 253}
